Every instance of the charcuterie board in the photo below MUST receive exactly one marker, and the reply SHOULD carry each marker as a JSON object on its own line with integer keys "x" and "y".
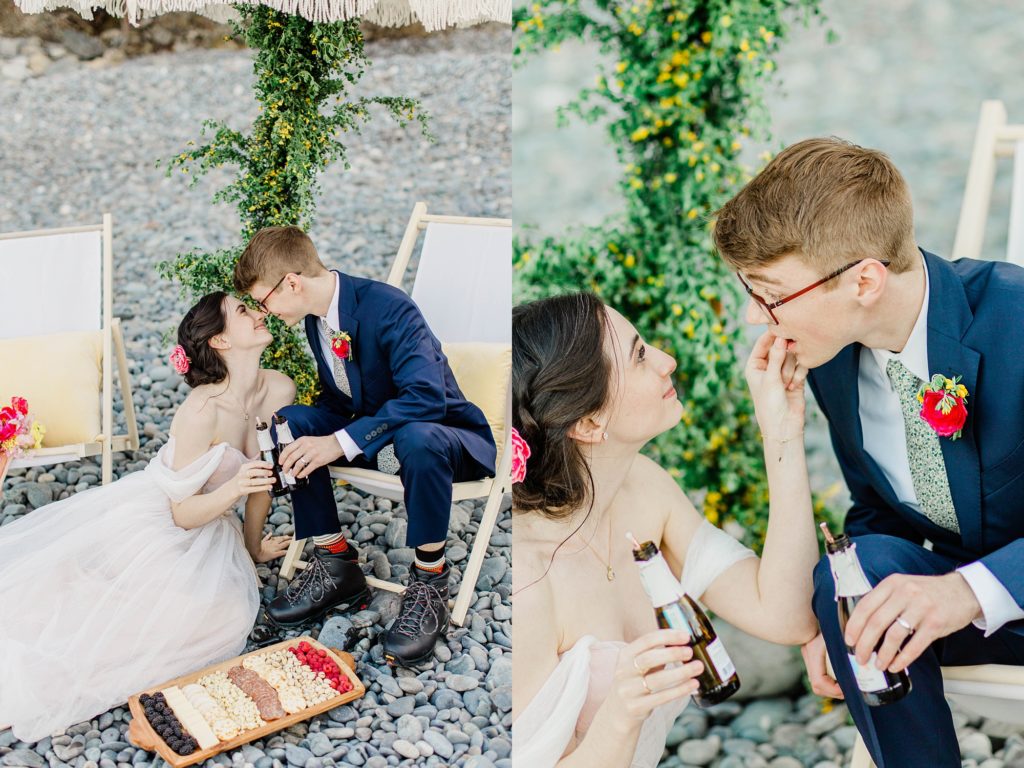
{"x": 229, "y": 704}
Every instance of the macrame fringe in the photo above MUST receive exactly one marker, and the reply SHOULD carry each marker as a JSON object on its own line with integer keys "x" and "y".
{"x": 435, "y": 15}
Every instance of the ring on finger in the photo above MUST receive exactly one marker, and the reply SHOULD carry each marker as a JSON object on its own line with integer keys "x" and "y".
{"x": 637, "y": 667}
{"x": 905, "y": 624}
{"x": 643, "y": 680}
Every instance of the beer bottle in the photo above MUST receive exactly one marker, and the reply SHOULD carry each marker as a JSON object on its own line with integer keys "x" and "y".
{"x": 676, "y": 610}
{"x": 877, "y": 686}
{"x": 284, "y": 438}
{"x": 268, "y": 453}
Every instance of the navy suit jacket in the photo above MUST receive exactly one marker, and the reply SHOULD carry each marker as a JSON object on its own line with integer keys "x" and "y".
{"x": 398, "y": 373}
{"x": 975, "y": 309}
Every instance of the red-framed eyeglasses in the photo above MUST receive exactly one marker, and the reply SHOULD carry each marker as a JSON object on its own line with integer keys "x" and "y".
{"x": 769, "y": 306}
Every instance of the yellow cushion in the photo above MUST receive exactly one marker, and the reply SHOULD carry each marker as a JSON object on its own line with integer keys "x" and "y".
{"x": 482, "y": 371}
{"x": 61, "y": 377}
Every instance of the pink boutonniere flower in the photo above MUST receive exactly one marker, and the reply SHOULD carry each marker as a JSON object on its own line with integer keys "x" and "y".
{"x": 520, "y": 453}
{"x": 944, "y": 405}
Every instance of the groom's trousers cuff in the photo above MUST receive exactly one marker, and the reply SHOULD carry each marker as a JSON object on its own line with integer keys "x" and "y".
{"x": 997, "y": 604}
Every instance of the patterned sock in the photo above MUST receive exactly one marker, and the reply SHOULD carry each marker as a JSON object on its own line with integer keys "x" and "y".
{"x": 334, "y": 543}
{"x": 430, "y": 561}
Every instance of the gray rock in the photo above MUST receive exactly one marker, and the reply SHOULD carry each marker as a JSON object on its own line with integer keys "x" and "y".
{"x": 406, "y": 749}
{"x": 335, "y": 632}
{"x": 785, "y": 762}
{"x": 403, "y": 706}
{"x": 81, "y": 45}
{"x": 975, "y": 746}
{"x": 38, "y": 495}
{"x": 828, "y": 721}
{"x": 297, "y": 755}
{"x": 394, "y": 536}
{"x": 23, "y": 757}
{"x": 439, "y": 743}
{"x": 319, "y": 744}
{"x": 765, "y": 714}
{"x": 699, "y": 751}
{"x": 462, "y": 683}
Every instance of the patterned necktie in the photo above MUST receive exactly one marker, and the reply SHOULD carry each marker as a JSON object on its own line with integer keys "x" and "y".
{"x": 927, "y": 468}
{"x": 340, "y": 374}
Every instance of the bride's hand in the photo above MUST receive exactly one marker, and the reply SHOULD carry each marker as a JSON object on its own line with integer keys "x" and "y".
{"x": 642, "y": 682}
{"x": 253, "y": 477}
{"x": 272, "y": 547}
{"x": 776, "y": 384}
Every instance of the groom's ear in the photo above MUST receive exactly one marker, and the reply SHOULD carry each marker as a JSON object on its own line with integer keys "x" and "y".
{"x": 587, "y": 430}
{"x": 871, "y": 278}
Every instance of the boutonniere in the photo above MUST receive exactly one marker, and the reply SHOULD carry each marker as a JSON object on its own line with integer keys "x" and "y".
{"x": 944, "y": 405}
{"x": 341, "y": 345}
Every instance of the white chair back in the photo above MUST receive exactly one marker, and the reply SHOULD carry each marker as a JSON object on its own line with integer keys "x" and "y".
{"x": 463, "y": 282}
{"x": 1015, "y": 241}
{"x": 56, "y": 281}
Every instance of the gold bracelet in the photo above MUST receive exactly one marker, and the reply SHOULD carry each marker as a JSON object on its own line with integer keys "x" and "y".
{"x": 783, "y": 441}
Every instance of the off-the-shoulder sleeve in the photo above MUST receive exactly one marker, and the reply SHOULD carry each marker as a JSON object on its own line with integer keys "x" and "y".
{"x": 188, "y": 480}
{"x": 711, "y": 553}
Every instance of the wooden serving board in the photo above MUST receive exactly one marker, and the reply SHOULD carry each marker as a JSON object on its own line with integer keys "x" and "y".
{"x": 142, "y": 735}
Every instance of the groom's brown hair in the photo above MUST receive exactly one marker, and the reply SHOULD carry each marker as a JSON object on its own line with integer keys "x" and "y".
{"x": 825, "y": 200}
{"x": 272, "y": 253}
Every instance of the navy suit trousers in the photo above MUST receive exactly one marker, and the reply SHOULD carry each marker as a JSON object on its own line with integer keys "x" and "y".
{"x": 917, "y": 731}
{"x": 431, "y": 458}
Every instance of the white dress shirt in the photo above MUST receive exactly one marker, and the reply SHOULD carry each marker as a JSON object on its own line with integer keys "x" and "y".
{"x": 348, "y": 445}
{"x": 885, "y": 440}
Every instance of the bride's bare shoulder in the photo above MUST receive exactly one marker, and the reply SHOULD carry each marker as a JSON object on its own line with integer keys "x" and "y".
{"x": 197, "y": 412}
{"x": 280, "y": 387}
{"x": 648, "y": 477}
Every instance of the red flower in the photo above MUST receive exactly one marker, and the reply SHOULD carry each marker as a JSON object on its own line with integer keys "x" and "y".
{"x": 20, "y": 404}
{"x": 7, "y": 413}
{"x": 946, "y": 423}
{"x": 341, "y": 347}
{"x": 7, "y": 431}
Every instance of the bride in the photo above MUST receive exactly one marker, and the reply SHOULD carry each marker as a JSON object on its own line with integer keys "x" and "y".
{"x": 595, "y": 683}
{"x": 124, "y": 586}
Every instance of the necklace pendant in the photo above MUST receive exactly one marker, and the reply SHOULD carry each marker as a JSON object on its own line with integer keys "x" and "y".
{"x": 610, "y": 574}
{"x": 247, "y": 417}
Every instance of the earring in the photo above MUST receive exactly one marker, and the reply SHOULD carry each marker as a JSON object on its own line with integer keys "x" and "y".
{"x": 604, "y": 435}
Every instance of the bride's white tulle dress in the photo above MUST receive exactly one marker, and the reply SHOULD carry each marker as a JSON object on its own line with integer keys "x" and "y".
{"x": 102, "y": 595}
{"x": 568, "y": 701}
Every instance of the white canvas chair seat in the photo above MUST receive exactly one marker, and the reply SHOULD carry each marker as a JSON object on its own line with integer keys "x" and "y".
{"x": 58, "y": 340}
{"x": 989, "y": 690}
{"x": 463, "y": 286}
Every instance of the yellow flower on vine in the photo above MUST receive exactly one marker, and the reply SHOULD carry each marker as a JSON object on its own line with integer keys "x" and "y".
{"x": 670, "y": 178}
{"x": 692, "y": 214}
{"x": 727, "y": 21}
{"x": 621, "y": 67}
{"x": 640, "y": 134}
{"x": 630, "y": 260}
{"x": 705, "y": 37}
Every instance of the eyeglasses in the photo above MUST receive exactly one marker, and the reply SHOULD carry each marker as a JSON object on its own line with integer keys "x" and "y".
{"x": 262, "y": 304}
{"x": 769, "y": 306}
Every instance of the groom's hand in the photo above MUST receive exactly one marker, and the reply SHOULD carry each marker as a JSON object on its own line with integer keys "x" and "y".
{"x": 822, "y": 683}
{"x": 934, "y": 606}
{"x": 307, "y": 454}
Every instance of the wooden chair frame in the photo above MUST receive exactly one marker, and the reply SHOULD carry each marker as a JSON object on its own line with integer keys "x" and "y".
{"x": 390, "y": 486}
{"x": 113, "y": 344}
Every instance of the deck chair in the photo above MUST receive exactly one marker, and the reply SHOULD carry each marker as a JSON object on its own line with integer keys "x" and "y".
{"x": 989, "y": 690}
{"x": 58, "y": 340}
{"x": 463, "y": 286}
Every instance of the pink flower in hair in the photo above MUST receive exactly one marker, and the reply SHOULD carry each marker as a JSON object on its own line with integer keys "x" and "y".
{"x": 520, "y": 453}
{"x": 179, "y": 360}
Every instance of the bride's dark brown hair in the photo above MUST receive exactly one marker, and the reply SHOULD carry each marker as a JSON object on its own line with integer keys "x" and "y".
{"x": 200, "y": 324}
{"x": 560, "y": 375}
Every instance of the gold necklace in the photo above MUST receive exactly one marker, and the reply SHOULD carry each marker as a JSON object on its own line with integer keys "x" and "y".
{"x": 609, "y": 572}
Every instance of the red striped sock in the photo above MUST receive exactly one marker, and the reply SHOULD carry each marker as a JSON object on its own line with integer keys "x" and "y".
{"x": 335, "y": 543}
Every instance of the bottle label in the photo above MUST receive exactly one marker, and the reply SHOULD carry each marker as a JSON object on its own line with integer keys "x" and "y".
{"x": 674, "y": 618}
{"x": 720, "y": 659}
{"x": 869, "y": 677}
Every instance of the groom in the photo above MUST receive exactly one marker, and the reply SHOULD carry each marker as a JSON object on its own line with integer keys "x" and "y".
{"x": 823, "y": 241}
{"x": 388, "y": 401}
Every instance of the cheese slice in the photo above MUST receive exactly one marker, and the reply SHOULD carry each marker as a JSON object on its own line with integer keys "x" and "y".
{"x": 190, "y": 718}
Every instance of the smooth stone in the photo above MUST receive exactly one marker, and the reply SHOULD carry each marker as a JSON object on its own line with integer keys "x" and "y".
{"x": 462, "y": 683}
{"x": 975, "y": 746}
{"x": 38, "y": 495}
{"x": 406, "y": 749}
{"x": 699, "y": 751}
{"x": 319, "y": 744}
{"x": 440, "y": 744}
{"x": 828, "y": 722}
{"x": 23, "y": 757}
{"x": 403, "y": 706}
{"x": 297, "y": 755}
{"x": 409, "y": 728}
{"x": 500, "y": 674}
{"x": 339, "y": 734}
{"x": 410, "y": 684}
{"x": 765, "y": 714}
{"x": 334, "y": 633}
{"x": 845, "y": 737}
{"x": 785, "y": 762}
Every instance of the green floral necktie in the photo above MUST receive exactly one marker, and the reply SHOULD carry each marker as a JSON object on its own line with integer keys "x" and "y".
{"x": 927, "y": 468}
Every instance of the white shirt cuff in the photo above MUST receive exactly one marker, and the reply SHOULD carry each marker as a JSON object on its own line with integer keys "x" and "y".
{"x": 997, "y": 604}
{"x": 348, "y": 445}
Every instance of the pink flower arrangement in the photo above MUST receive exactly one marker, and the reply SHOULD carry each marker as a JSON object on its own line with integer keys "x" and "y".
{"x": 520, "y": 453}
{"x": 18, "y": 430}
{"x": 179, "y": 360}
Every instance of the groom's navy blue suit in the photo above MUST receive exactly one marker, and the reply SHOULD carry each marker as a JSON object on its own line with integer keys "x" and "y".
{"x": 975, "y": 330}
{"x": 403, "y": 392}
